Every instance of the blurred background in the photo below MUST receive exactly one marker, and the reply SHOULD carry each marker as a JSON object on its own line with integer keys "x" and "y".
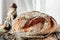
{"x": 51, "y": 7}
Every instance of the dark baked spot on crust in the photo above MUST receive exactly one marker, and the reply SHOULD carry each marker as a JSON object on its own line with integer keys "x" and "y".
{"x": 30, "y": 23}
{"x": 52, "y": 18}
{"x": 51, "y": 21}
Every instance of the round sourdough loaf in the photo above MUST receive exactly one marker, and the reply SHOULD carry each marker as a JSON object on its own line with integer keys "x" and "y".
{"x": 34, "y": 22}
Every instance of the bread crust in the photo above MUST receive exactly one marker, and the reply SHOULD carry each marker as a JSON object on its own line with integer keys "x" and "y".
{"x": 46, "y": 22}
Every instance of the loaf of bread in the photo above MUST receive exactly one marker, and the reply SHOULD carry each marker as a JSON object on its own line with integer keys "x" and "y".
{"x": 34, "y": 22}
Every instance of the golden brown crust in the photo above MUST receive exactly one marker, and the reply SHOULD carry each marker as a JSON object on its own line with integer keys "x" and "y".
{"x": 46, "y": 24}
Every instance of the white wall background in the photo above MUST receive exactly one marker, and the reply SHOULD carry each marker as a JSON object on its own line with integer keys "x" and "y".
{"x": 51, "y": 7}
{"x": 0, "y": 11}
